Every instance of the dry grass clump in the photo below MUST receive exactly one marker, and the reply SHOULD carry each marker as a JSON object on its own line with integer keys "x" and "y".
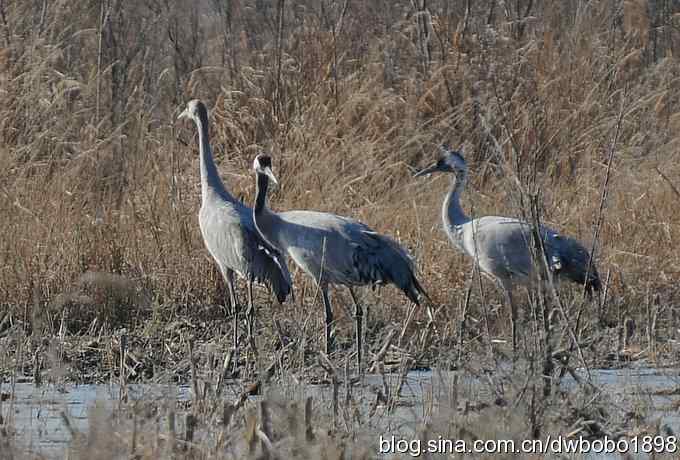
{"x": 107, "y": 298}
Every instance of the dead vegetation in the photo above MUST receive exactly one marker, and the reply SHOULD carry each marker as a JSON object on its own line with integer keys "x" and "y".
{"x": 566, "y": 111}
{"x": 98, "y": 178}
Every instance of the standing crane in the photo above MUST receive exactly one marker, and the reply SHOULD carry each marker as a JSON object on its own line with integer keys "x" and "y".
{"x": 333, "y": 250}
{"x": 500, "y": 245}
{"x": 229, "y": 231}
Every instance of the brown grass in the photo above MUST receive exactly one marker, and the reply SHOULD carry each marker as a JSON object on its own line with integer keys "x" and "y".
{"x": 97, "y": 177}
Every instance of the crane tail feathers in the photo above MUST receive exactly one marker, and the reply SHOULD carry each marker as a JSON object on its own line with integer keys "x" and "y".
{"x": 589, "y": 279}
{"x": 576, "y": 264}
{"x": 415, "y": 290}
{"x": 391, "y": 264}
{"x": 280, "y": 286}
{"x": 275, "y": 274}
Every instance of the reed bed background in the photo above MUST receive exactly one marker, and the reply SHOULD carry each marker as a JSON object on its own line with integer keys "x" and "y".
{"x": 566, "y": 112}
{"x": 99, "y": 185}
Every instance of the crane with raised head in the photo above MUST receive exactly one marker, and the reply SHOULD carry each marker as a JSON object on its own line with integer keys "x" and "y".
{"x": 500, "y": 246}
{"x": 229, "y": 231}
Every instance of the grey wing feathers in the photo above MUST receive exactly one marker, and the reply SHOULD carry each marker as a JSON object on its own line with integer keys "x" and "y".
{"x": 354, "y": 255}
{"x": 504, "y": 250}
{"x": 501, "y": 244}
{"x": 380, "y": 259}
{"x": 235, "y": 244}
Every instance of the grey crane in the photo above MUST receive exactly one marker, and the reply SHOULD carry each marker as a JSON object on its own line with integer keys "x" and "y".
{"x": 229, "y": 231}
{"x": 500, "y": 245}
{"x": 333, "y": 250}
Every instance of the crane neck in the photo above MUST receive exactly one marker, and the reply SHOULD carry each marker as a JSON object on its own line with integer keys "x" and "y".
{"x": 261, "y": 188}
{"x": 453, "y": 215}
{"x": 211, "y": 185}
{"x": 263, "y": 218}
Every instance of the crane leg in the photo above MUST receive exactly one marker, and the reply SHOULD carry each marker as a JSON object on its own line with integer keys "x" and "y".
{"x": 251, "y": 317}
{"x": 358, "y": 317}
{"x": 513, "y": 321}
{"x": 234, "y": 305}
{"x": 328, "y": 318}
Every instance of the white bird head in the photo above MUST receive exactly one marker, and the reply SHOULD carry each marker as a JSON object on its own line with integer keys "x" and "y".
{"x": 450, "y": 161}
{"x": 195, "y": 110}
{"x": 263, "y": 165}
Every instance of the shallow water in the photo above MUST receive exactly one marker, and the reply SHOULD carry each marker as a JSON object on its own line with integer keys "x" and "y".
{"x": 657, "y": 389}
{"x": 36, "y": 412}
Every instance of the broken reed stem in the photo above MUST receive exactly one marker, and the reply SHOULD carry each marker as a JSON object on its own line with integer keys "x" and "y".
{"x": 172, "y": 433}
{"x": 347, "y": 413}
{"x": 279, "y": 52}
{"x": 600, "y": 219}
{"x": 668, "y": 181}
{"x": 252, "y": 389}
{"x": 122, "y": 391}
{"x": 309, "y": 431}
{"x": 228, "y": 410}
{"x": 605, "y": 187}
{"x": 407, "y": 322}
{"x": 225, "y": 372}
{"x": 194, "y": 377}
{"x": 133, "y": 443}
{"x": 67, "y": 423}
{"x": 265, "y": 430}
{"x": 37, "y": 365}
{"x": 189, "y": 427}
{"x": 327, "y": 366}
{"x": 540, "y": 259}
{"x": 383, "y": 351}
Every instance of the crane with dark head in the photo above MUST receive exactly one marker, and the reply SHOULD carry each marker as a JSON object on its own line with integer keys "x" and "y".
{"x": 500, "y": 246}
{"x": 333, "y": 250}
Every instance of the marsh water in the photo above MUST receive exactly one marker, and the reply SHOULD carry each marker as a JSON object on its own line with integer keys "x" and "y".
{"x": 44, "y": 418}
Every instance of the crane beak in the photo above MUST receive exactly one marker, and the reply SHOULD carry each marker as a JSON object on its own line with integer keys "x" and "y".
{"x": 184, "y": 114}
{"x": 270, "y": 174}
{"x": 427, "y": 171}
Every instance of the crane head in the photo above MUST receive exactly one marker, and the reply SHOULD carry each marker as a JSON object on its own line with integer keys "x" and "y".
{"x": 195, "y": 110}
{"x": 263, "y": 165}
{"x": 449, "y": 161}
